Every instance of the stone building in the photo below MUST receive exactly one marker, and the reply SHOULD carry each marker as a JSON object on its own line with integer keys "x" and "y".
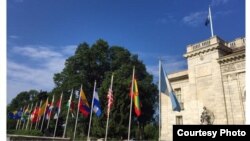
{"x": 215, "y": 79}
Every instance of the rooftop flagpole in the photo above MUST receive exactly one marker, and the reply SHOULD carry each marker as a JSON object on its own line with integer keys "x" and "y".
{"x": 211, "y": 21}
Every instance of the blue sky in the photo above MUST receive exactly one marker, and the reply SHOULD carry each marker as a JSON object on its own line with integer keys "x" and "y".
{"x": 41, "y": 34}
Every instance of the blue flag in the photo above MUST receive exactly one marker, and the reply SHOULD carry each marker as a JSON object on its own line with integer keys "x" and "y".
{"x": 96, "y": 105}
{"x": 207, "y": 21}
{"x": 166, "y": 88}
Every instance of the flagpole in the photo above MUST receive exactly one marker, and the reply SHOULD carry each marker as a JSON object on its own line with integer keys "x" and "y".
{"x": 90, "y": 119}
{"x": 33, "y": 116}
{"x": 25, "y": 119}
{"x": 107, "y": 124}
{"x": 39, "y": 117}
{"x": 67, "y": 114}
{"x": 58, "y": 112}
{"x": 52, "y": 102}
{"x": 38, "y": 114}
{"x": 46, "y": 104}
{"x": 20, "y": 126}
{"x": 77, "y": 113}
{"x": 131, "y": 95}
{"x": 29, "y": 117}
{"x": 159, "y": 87}
{"x": 211, "y": 22}
{"x": 17, "y": 124}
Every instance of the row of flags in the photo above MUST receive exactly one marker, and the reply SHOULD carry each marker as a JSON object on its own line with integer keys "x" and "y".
{"x": 47, "y": 109}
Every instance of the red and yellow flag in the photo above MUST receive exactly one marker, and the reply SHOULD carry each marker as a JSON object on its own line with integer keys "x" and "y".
{"x": 136, "y": 99}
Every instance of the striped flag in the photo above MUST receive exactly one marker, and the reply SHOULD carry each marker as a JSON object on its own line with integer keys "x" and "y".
{"x": 135, "y": 94}
{"x": 97, "y": 106}
{"x": 84, "y": 107}
{"x": 166, "y": 88}
{"x": 110, "y": 99}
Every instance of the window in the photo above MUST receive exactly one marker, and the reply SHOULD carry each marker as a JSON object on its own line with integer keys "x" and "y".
{"x": 178, "y": 96}
{"x": 179, "y": 120}
{"x": 232, "y": 44}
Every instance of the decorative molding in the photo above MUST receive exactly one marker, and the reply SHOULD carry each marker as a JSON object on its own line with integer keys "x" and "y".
{"x": 233, "y": 67}
{"x": 240, "y": 55}
{"x": 217, "y": 46}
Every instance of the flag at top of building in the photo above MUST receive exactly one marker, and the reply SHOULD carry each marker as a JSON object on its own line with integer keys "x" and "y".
{"x": 96, "y": 106}
{"x": 209, "y": 21}
{"x": 166, "y": 88}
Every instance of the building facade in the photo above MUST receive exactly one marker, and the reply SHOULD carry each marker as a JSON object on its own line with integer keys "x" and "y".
{"x": 214, "y": 80}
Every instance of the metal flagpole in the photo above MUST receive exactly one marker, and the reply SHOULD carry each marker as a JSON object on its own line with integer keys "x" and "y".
{"x": 211, "y": 22}
{"x": 24, "y": 120}
{"x": 33, "y": 117}
{"x": 90, "y": 119}
{"x": 107, "y": 124}
{"x": 58, "y": 112}
{"x": 77, "y": 113}
{"x": 64, "y": 132}
{"x": 131, "y": 95}
{"x": 46, "y": 104}
{"x": 38, "y": 114}
{"x": 17, "y": 124}
{"x": 20, "y": 124}
{"x": 29, "y": 117}
{"x": 159, "y": 87}
{"x": 52, "y": 102}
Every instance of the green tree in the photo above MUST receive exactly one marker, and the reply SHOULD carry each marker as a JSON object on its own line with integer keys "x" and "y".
{"x": 22, "y": 100}
{"x": 151, "y": 131}
{"x": 98, "y": 62}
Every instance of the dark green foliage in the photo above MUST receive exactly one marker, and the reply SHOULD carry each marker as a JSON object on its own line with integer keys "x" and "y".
{"x": 151, "y": 132}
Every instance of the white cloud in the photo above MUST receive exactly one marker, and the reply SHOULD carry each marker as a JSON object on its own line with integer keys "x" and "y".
{"x": 170, "y": 67}
{"x": 195, "y": 19}
{"x": 171, "y": 63}
{"x": 38, "y": 69}
{"x": 69, "y": 50}
{"x": 26, "y": 74}
{"x": 13, "y": 37}
{"x": 36, "y": 52}
{"x": 222, "y": 13}
{"x": 167, "y": 18}
{"x": 218, "y": 2}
